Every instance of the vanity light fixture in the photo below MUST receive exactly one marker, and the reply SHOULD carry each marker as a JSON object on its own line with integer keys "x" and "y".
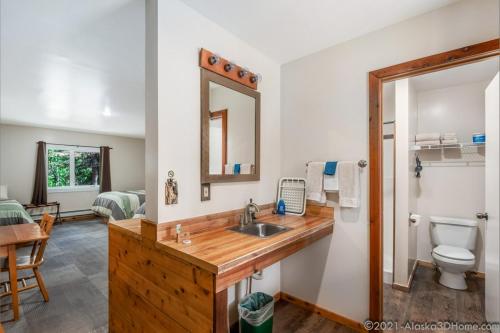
{"x": 213, "y": 59}
{"x": 229, "y": 69}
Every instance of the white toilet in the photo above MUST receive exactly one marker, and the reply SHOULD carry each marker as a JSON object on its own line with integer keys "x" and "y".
{"x": 453, "y": 239}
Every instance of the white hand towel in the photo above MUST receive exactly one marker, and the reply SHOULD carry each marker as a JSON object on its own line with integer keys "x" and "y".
{"x": 349, "y": 184}
{"x": 228, "y": 169}
{"x": 246, "y": 168}
{"x": 331, "y": 182}
{"x": 427, "y": 137}
{"x": 314, "y": 188}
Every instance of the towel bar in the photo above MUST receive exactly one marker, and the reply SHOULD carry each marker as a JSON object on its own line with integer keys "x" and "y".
{"x": 361, "y": 163}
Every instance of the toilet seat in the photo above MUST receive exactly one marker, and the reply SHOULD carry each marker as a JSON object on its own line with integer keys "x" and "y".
{"x": 453, "y": 253}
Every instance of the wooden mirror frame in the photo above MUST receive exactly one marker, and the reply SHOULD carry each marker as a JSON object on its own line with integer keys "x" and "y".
{"x": 376, "y": 79}
{"x": 206, "y": 177}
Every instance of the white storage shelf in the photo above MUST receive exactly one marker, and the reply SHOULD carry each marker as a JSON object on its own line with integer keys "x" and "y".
{"x": 446, "y": 146}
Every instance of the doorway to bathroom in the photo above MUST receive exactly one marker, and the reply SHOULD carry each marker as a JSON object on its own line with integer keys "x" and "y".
{"x": 433, "y": 180}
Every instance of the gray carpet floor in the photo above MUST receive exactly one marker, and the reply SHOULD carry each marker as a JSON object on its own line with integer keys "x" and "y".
{"x": 76, "y": 275}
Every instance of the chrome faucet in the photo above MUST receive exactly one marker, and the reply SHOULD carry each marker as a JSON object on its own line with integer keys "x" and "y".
{"x": 249, "y": 214}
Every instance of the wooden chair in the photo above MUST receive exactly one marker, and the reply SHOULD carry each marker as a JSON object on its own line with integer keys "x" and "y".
{"x": 33, "y": 262}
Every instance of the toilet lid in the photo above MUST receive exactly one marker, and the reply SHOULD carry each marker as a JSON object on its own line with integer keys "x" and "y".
{"x": 452, "y": 252}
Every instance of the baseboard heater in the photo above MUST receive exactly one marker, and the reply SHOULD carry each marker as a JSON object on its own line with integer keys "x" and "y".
{"x": 70, "y": 214}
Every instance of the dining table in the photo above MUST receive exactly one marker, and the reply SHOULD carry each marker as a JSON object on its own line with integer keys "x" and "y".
{"x": 11, "y": 236}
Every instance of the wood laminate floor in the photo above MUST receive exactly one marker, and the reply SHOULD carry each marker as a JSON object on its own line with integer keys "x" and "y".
{"x": 290, "y": 318}
{"x": 428, "y": 301}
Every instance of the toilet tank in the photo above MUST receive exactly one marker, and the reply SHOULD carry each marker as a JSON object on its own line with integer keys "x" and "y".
{"x": 453, "y": 231}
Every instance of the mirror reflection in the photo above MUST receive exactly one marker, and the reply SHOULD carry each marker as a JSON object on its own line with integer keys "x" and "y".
{"x": 231, "y": 132}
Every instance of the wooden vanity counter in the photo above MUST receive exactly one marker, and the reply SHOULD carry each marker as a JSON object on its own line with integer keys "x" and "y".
{"x": 232, "y": 256}
{"x": 194, "y": 277}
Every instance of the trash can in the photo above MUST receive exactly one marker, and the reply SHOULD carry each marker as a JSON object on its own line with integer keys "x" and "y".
{"x": 256, "y": 313}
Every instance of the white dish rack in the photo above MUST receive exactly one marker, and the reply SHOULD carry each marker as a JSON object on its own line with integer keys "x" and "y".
{"x": 293, "y": 192}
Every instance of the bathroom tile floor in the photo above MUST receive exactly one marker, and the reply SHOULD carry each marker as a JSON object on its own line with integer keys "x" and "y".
{"x": 428, "y": 301}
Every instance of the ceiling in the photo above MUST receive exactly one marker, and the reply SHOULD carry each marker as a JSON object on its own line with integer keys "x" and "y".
{"x": 286, "y": 30}
{"x": 75, "y": 65}
{"x": 484, "y": 70}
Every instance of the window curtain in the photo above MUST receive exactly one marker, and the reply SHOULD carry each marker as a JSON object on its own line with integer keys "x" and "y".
{"x": 40, "y": 189}
{"x": 105, "y": 170}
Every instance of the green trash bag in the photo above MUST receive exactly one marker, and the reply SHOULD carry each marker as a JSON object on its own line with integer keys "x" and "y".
{"x": 256, "y": 313}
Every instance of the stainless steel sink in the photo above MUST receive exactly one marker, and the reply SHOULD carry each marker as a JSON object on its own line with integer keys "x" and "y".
{"x": 260, "y": 229}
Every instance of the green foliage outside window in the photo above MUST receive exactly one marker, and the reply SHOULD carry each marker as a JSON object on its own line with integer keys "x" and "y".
{"x": 86, "y": 168}
{"x": 58, "y": 168}
{"x": 59, "y": 171}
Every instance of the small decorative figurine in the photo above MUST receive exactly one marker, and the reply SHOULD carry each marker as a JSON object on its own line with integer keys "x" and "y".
{"x": 171, "y": 189}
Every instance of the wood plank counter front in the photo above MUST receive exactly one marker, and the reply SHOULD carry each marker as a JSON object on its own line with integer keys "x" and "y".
{"x": 157, "y": 284}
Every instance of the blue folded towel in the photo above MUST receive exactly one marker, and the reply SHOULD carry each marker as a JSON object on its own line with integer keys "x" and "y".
{"x": 330, "y": 168}
{"x": 237, "y": 169}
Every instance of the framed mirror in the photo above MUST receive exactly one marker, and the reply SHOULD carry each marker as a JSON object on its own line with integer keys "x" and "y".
{"x": 230, "y": 130}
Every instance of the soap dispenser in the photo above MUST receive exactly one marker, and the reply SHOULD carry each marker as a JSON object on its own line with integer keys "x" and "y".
{"x": 281, "y": 207}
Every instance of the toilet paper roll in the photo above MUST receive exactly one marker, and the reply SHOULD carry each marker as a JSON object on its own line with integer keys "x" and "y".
{"x": 415, "y": 219}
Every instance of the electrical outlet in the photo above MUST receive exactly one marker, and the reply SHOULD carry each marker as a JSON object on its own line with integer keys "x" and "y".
{"x": 205, "y": 192}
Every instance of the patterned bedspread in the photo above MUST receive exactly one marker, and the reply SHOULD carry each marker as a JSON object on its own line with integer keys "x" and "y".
{"x": 118, "y": 205}
{"x": 12, "y": 212}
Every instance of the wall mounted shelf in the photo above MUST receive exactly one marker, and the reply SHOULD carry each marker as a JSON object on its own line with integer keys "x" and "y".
{"x": 446, "y": 146}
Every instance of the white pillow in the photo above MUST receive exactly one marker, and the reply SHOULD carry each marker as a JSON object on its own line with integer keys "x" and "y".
{"x": 3, "y": 192}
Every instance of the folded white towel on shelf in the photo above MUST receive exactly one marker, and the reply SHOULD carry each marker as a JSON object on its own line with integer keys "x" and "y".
{"x": 314, "y": 188}
{"x": 449, "y": 141}
{"x": 428, "y": 143}
{"x": 229, "y": 169}
{"x": 449, "y": 135}
{"x": 246, "y": 168}
{"x": 349, "y": 191}
{"x": 331, "y": 182}
{"x": 427, "y": 137}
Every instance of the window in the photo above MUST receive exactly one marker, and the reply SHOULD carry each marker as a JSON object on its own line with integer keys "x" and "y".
{"x": 71, "y": 168}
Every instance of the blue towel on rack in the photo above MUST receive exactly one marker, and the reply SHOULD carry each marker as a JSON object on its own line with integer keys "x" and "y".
{"x": 237, "y": 169}
{"x": 330, "y": 168}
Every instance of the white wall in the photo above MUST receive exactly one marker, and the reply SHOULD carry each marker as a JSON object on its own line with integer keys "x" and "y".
{"x": 458, "y": 108}
{"x": 447, "y": 188}
{"x": 18, "y": 160}
{"x": 179, "y": 112}
{"x": 324, "y": 100}
{"x": 402, "y": 203}
{"x": 413, "y": 189}
{"x": 388, "y": 148}
{"x": 181, "y": 32}
{"x": 215, "y": 146}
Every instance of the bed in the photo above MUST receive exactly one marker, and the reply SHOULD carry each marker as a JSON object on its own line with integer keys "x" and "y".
{"x": 12, "y": 212}
{"x": 117, "y": 205}
{"x": 140, "y": 213}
